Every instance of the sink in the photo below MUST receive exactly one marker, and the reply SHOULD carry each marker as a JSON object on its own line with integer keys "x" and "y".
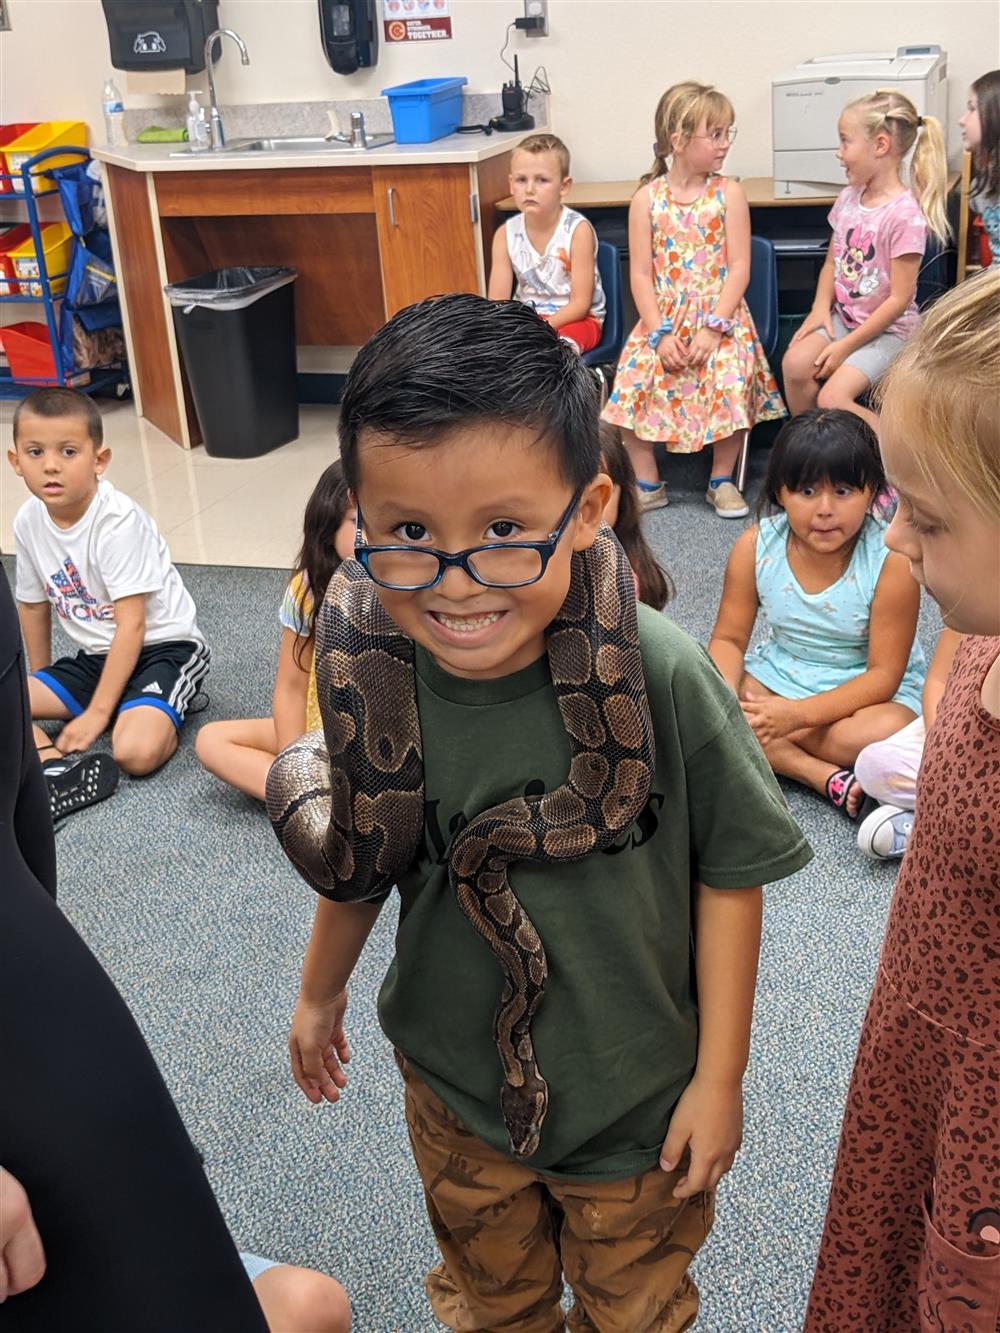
{"x": 277, "y": 144}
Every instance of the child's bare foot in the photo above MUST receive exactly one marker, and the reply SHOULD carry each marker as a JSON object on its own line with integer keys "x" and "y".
{"x": 855, "y": 799}
{"x": 845, "y": 791}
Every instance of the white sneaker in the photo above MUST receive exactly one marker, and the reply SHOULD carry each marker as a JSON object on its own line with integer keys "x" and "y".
{"x": 884, "y": 834}
{"x": 727, "y": 501}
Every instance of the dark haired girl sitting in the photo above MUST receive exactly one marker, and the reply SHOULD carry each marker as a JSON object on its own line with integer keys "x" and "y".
{"x": 839, "y": 667}
{"x": 624, "y": 514}
{"x": 241, "y": 751}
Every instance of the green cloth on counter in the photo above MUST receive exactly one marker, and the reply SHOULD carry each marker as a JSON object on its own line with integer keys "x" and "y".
{"x": 157, "y": 134}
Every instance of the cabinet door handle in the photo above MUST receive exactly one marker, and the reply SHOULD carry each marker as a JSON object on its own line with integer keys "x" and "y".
{"x": 474, "y": 208}
{"x": 390, "y": 196}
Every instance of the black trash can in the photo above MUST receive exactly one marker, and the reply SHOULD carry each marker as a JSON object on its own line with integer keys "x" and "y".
{"x": 236, "y": 330}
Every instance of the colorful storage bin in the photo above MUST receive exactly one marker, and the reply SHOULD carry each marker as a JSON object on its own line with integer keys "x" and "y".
{"x": 57, "y": 242}
{"x": 425, "y": 109}
{"x": 11, "y": 240}
{"x": 29, "y": 354}
{"x": 28, "y": 351}
{"x": 49, "y": 134}
{"x": 8, "y": 133}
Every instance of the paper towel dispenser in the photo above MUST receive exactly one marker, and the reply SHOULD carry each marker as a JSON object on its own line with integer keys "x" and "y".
{"x": 160, "y": 34}
{"x": 349, "y": 31}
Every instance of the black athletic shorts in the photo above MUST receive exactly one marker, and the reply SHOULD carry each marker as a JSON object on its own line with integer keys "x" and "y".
{"x": 167, "y": 676}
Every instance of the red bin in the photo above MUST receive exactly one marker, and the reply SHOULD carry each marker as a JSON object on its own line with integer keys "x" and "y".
{"x": 29, "y": 352}
{"x": 10, "y": 240}
{"x": 8, "y": 133}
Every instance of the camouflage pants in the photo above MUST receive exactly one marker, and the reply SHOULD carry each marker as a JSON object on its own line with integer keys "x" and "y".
{"x": 507, "y": 1235}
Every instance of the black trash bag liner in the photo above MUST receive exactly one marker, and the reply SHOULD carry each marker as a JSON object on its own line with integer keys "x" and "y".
{"x": 228, "y": 288}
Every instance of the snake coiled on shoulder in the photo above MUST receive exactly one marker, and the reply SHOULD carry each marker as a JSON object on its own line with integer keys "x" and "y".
{"x": 347, "y": 803}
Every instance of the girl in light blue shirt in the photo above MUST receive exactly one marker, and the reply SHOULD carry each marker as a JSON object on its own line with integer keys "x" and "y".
{"x": 838, "y": 667}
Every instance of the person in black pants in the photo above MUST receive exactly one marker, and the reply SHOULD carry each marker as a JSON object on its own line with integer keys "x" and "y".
{"x": 132, "y": 1234}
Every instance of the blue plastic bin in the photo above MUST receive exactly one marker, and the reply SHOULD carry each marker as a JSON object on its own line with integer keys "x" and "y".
{"x": 425, "y": 109}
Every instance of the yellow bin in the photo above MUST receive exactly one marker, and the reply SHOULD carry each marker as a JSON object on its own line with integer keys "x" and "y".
{"x": 57, "y": 242}
{"x": 50, "y": 134}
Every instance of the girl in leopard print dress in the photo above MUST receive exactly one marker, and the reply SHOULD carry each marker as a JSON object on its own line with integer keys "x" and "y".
{"x": 912, "y": 1235}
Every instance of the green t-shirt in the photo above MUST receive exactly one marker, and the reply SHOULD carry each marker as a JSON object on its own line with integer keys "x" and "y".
{"x": 616, "y": 1032}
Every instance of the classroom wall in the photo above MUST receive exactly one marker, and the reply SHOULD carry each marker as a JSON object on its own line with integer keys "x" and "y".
{"x": 607, "y": 62}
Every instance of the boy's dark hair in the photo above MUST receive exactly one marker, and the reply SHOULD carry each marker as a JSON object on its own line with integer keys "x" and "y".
{"x": 317, "y": 558}
{"x": 59, "y": 402}
{"x": 655, "y": 586}
{"x": 986, "y": 158}
{"x": 452, "y": 361}
{"x": 823, "y": 444}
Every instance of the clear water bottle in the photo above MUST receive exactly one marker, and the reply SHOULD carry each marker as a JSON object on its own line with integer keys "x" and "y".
{"x": 114, "y": 115}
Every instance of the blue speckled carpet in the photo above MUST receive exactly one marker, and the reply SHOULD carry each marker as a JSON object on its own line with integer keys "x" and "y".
{"x": 180, "y": 888}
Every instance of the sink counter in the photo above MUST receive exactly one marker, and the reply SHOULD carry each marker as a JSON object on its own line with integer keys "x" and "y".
{"x": 368, "y": 232}
{"x": 455, "y": 148}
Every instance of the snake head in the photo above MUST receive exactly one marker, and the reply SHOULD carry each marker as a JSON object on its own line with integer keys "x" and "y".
{"x": 523, "y": 1113}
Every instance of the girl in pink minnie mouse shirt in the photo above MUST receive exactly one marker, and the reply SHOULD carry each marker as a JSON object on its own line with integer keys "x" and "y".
{"x": 865, "y": 306}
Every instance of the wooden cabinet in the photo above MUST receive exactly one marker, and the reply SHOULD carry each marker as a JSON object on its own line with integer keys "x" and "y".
{"x": 365, "y": 239}
{"x": 428, "y": 232}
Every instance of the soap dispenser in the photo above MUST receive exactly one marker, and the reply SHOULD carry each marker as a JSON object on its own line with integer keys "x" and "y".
{"x": 197, "y": 125}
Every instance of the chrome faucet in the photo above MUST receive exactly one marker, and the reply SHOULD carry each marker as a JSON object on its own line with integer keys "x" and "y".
{"x": 216, "y": 133}
{"x": 358, "y": 137}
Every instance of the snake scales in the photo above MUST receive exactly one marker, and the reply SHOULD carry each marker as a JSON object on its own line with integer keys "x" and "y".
{"x": 347, "y": 803}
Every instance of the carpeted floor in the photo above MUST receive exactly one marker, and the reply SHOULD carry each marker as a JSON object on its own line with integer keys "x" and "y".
{"x": 180, "y": 888}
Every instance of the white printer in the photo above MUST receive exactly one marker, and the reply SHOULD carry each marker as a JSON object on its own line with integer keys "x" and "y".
{"x": 806, "y": 103}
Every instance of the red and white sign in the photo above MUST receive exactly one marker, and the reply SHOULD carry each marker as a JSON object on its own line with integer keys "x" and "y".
{"x": 417, "y": 20}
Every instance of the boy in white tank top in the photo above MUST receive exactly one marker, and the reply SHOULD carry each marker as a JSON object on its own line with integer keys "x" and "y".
{"x": 547, "y": 253}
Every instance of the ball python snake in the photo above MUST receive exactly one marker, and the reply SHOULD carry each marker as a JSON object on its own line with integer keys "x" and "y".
{"x": 347, "y": 803}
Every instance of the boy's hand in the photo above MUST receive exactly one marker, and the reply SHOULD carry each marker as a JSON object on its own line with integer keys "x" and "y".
{"x": 813, "y": 322}
{"x": 703, "y": 345}
{"x": 672, "y": 352}
{"x": 708, "y": 1121}
{"x": 318, "y": 1048}
{"x": 79, "y": 733}
{"x": 771, "y": 718}
{"x": 831, "y": 358}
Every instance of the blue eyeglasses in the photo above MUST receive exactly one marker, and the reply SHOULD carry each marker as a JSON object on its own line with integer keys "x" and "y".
{"x": 496, "y": 565}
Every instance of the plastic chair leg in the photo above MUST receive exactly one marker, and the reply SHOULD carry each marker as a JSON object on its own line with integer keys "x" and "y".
{"x": 741, "y": 466}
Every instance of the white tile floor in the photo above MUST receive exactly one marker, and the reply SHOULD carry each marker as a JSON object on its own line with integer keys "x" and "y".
{"x": 212, "y": 511}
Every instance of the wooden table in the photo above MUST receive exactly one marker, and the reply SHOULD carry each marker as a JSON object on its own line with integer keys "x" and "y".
{"x": 759, "y": 191}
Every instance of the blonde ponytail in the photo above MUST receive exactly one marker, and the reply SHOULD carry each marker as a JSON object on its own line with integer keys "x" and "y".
{"x": 889, "y": 110}
{"x": 929, "y": 177}
{"x": 659, "y": 168}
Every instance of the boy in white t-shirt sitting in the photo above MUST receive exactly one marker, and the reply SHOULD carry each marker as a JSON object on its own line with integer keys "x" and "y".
{"x": 91, "y": 553}
{"x": 547, "y": 253}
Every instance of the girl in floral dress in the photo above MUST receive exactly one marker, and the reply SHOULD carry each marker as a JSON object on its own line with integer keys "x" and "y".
{"x": 693, "y": 372}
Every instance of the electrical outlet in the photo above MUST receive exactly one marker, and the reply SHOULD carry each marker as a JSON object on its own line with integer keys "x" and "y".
{"x": 537, "y": 9}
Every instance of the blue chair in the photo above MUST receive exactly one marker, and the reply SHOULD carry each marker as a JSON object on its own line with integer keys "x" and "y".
{"x": 608, "y": 350}
{"x": 933, "y": 280}
{"x": 762, "y": 300}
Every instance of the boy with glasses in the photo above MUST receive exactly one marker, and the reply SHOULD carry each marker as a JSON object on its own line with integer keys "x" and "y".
{"x": 584, "y": 795}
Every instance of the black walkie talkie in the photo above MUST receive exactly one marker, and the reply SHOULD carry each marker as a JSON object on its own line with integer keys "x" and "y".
{"x": 512, "y": 98}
